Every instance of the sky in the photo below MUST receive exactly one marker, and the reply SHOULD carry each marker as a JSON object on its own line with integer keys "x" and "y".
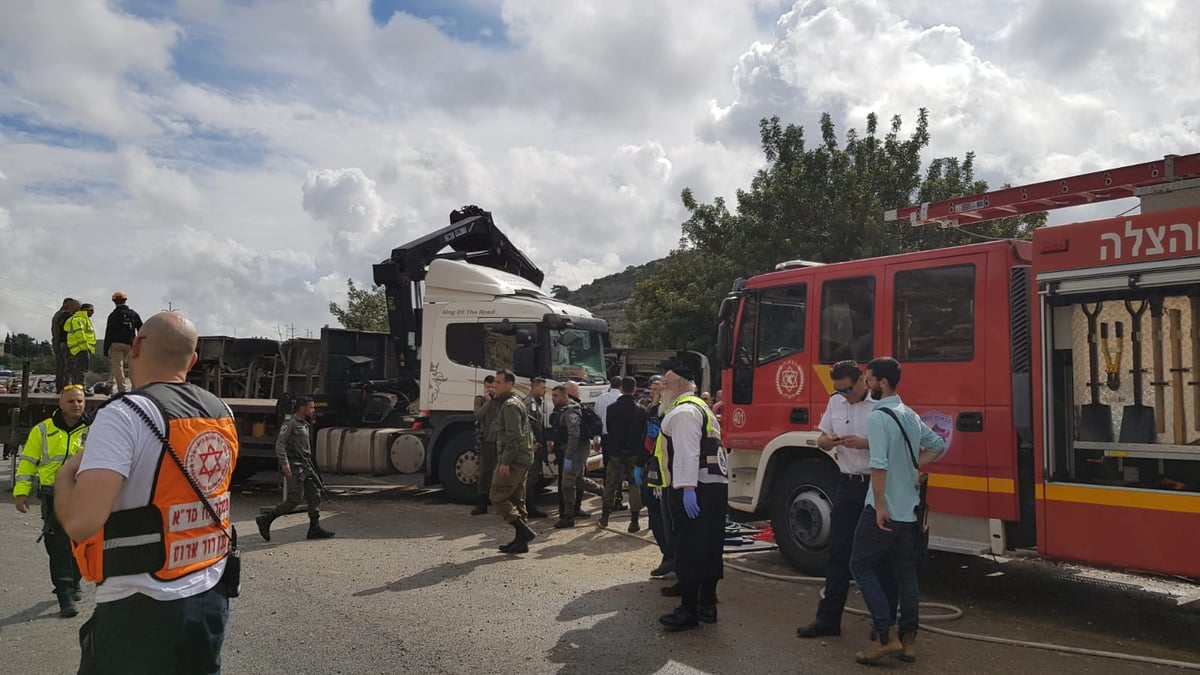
{"x": 238, "y": 160}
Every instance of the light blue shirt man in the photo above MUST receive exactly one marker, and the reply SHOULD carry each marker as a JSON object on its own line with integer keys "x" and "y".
{"x": 890, "y": 453}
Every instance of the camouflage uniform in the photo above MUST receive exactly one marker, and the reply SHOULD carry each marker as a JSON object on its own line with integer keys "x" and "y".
{"x": 514, "y": 447}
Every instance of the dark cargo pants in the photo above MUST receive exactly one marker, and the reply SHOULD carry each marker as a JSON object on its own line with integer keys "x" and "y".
{"x": 64, "y": 571}
{"x": 487, "y": 467}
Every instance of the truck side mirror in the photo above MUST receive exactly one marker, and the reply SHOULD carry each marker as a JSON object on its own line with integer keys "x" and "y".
{"x": 525, "y": 362}
{"x": 724, "y": 341}
{"x": 525, "y": 337}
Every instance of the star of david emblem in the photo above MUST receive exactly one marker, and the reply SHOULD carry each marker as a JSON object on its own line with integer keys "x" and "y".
{"x": 789, "y": 380}
{"x": 210, "y": 462}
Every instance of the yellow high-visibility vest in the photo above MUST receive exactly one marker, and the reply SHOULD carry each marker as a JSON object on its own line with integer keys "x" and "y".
{"x": 81, "y": 334}
{"x": 46, "y": 449}
{"x": 658, "y": 472}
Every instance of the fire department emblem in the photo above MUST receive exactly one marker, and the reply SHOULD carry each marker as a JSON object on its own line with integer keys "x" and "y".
{"x": 789, "y": 379}
{"x": 739, "y": 417}
{"x": 208, "y": 460}
{"x": 941, "y": 424}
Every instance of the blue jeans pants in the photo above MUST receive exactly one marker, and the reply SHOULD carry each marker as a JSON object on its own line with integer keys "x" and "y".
{"x": 873, "y": 548}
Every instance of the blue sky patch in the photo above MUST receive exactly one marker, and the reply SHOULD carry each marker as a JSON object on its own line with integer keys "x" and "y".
{"x": 462, "y": 20}
{"x": 22, "y": 128}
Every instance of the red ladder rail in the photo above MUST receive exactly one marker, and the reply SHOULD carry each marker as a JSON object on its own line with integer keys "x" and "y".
{"x": 1086, "y": 188}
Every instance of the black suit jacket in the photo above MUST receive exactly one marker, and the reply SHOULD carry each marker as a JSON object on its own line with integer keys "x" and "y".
{"x": 626, "y": 427}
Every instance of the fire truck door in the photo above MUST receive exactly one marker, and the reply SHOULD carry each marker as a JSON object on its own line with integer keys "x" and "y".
{"x": 782, "y": 380}
{"x": 937, "y": 322}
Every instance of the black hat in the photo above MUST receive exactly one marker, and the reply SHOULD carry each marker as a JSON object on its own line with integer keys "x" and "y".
{"x": 684, "y": 372}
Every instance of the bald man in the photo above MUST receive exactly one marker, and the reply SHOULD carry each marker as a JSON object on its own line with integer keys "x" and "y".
{"x": 153, "y": 525}
{"x": 50, "y": 444}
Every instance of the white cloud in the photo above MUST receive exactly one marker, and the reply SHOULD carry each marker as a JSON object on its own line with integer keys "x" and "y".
{"x": 241, "y": 159}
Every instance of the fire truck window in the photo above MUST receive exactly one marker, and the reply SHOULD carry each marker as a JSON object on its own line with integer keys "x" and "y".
{"x": 464, "y": 344}
{"x": 747, "y": 331}
{"x": 935, "y": 314}
{"x": 848, "y": 320}
{"x": 781, "y": 326}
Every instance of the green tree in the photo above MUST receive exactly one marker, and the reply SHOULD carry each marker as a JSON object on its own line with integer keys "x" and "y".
{"x": 823, "y": 203}
{"x": 366, "y": 308}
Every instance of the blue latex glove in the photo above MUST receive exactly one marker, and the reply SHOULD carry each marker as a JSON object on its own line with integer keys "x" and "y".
{"x": 567, "y": 465}
{"x": 637, "y": 476}
{"x": 652, "y": 430}
{"x": 690, "y": 505}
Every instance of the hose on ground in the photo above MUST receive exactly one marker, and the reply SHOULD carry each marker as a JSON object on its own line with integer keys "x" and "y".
{"x": 953, "y": 613}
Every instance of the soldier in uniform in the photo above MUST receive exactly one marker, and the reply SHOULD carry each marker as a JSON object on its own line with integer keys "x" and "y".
{"x": 292, "y": 448}
{"x": 573, "y": 449}
{"x": 514, "y": 454}
{"x": 485, "y": 443}
{"x": 539, "y": 424}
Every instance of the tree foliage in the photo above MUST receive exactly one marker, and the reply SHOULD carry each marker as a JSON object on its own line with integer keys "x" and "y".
{"x": 823, "y": 203}
{"x": 366, "y": 308}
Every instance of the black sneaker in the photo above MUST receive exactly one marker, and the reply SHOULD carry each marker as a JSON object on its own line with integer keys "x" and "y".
{"x": 672, "y": 591}
{"x": 680, "y": 619}
{"x": 661, "y": 571}
{"x": 818, "y": 629}
{"x": 66, "y": 607}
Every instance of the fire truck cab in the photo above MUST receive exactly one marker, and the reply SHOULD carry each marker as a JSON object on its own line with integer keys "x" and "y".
{"x": 1063, "y": 373}
{"x": 956, "y": 318}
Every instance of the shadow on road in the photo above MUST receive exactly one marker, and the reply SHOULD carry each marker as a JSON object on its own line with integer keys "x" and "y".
{"x": 433, "y": 576}
{"x": 32, "y": 614}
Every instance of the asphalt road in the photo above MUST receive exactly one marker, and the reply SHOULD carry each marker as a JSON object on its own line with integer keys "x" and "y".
{"x": 413, "y": 584}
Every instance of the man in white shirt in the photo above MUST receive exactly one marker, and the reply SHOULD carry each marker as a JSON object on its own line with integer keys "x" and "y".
{"x": 844, "y": 433}
{"x": 143, "y": 518}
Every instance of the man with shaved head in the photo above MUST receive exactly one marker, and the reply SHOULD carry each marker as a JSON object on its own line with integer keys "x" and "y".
{"x": 50, "y": 444}
{"x": 148, "y": 503}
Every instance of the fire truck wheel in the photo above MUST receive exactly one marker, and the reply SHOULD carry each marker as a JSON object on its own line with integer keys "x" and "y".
{"x": 800, "y": 514}
{"x": 458, "y": 468}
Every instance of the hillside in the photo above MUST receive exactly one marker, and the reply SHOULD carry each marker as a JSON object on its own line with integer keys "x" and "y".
{"x": 608, "y": 298}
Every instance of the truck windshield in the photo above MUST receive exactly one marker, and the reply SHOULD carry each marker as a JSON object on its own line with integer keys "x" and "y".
{"x": 576, "y": 354}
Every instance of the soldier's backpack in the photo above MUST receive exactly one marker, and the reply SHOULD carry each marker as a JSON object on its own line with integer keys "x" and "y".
{"x": 591, "y": 426}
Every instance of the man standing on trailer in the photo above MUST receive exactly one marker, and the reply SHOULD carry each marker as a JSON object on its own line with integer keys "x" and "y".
{"x": 844, "y": 432}
{"x": 514, "y": 455}
{"x": 292, "y": 449}
{"x": 58, "y": 338}
{"x": 122, "y": 327}
{"x": 888, "y": 529}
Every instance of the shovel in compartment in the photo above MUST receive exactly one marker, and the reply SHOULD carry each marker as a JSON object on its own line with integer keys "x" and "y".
{"x": 1095, "y": 418}
{"x": 1137, "y": 422}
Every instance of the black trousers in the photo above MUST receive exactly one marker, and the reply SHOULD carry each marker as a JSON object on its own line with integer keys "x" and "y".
{"x": 64, "y": 571}
{"x": 141, "y": 636}
{"x": 847, "y": 509}
{"x": 660, "y": 523}
{"x": 77, "y": 366}
{"x": 700, "y": 542}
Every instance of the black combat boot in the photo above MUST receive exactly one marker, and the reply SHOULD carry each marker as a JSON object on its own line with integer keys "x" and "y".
{"x": 605, "y": 511}
{"x": 524, "y": 536}
{"x": 634, "y": 524}
{"x": 482, "y": 507}
{"x": 566, "y": 519}
{"x": 505, "y": 548}
{"x": 66, "y": 606}
{"x": 315, "y": 531}
{"x": 264, "y": 524}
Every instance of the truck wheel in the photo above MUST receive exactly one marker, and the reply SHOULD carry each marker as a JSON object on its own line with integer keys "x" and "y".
{"x": 800, "y": 513}
{"x": 458, "y": 468}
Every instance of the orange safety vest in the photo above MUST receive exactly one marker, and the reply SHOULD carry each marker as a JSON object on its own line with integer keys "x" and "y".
{"x": 173, "y": 535}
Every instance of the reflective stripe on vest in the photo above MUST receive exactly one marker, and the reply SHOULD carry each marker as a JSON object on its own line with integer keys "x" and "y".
{"x": 173, "y": 535}
{"x": 712, "y": 455}
{"x": 57, "y": 445}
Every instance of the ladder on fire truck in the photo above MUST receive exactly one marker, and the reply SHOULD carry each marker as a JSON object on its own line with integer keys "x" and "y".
{"x": 1172, "y": 172}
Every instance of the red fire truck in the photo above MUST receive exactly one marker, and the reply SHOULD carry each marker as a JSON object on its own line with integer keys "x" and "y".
{"x": 1062, "y": 372}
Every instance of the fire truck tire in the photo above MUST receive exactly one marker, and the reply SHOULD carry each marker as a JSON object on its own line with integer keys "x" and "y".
{"x": 458, "y": 467}
{"x": 800, "y": 513}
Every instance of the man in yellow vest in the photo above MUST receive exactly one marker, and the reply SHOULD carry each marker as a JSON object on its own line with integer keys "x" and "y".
{"x": 81, "y": 342}
{"x": 50, "y": 443}
{"x": 690, "y": 462}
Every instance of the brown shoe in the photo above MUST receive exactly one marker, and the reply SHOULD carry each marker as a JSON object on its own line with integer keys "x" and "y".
{"x": 875, "y": 653}
{"x": 910, "y": 648}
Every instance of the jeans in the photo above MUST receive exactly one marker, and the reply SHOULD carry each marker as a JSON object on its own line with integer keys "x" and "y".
{"x": 141, "y": 636}
{"x": 848, "y": 506}
{"x": 660, "y": 525}
{"x": 872, "y": 548}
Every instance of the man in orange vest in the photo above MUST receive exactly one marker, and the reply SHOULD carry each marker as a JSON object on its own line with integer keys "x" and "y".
{"x": 147, "y": 503}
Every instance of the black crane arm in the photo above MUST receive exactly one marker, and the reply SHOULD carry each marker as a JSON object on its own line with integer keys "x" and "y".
{"x": 471, "y": 236}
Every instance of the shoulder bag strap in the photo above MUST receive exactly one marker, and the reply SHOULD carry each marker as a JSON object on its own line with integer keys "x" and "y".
{"x": 912, "y": 451}
{"x": 166, "y": 444}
